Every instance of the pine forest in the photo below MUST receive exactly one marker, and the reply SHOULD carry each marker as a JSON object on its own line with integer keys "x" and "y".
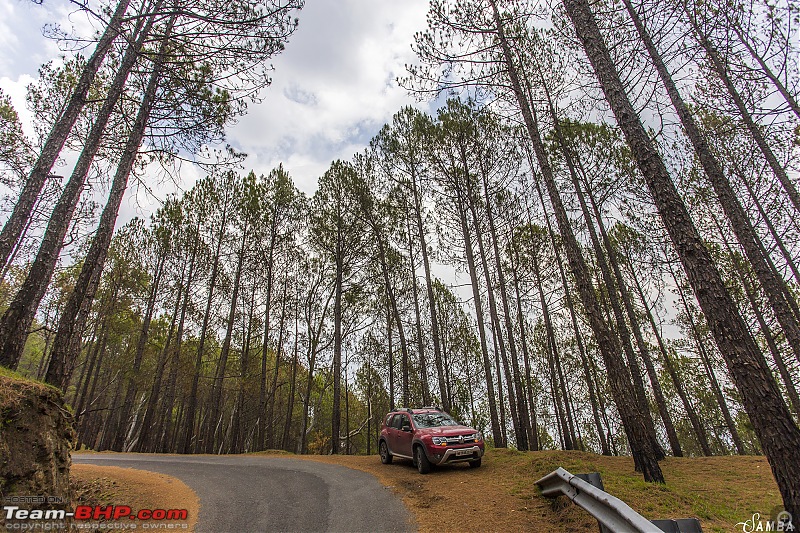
{"x": 592, "y": 244}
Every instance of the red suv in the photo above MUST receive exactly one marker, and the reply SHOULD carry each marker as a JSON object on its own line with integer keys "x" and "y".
{"x": 428, "y": 436}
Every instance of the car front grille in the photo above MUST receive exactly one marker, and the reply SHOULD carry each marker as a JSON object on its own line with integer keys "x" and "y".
{"x": 463, "y": 439}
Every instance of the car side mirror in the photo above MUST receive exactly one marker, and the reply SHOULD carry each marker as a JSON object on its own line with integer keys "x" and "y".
{"x": 406, "y": 427}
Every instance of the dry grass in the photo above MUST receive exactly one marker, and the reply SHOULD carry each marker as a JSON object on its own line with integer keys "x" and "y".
{"x": 13, "y": 387}
{"x": 138, "y": 489}
{"x": 501, "y": 495}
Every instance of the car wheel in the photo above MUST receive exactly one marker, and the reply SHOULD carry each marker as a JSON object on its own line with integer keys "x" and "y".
{"x": 475, "y": 464}
{"x": 423, "y": 465}
{"x": 386, "y": 457}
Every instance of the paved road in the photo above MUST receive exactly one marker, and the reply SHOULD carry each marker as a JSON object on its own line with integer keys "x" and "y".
{"x": 256, "y": 493}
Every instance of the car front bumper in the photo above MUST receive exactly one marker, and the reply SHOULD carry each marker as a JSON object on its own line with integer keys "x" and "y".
{"x": 455, "y": 455}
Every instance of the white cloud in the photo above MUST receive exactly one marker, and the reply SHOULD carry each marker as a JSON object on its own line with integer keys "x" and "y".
{"x": 23, "y": 46}
{"x": 333, "y": 87}
{"x": 16, "y": 90}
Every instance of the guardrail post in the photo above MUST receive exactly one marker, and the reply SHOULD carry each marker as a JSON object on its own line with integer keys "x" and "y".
{"x": 681, "y": 525}
{"x": 594, "y": 479}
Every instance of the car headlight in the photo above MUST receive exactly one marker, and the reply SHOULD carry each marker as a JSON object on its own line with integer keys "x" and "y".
{"x": 440, "y": 441}
{"x": 478, "y": 436}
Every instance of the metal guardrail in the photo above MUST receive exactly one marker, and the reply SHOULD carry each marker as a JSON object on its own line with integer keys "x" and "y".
{"x": 611, "y": 512}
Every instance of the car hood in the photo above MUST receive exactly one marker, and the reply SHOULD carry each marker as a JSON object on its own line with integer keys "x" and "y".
{"x": 447, "y": 431}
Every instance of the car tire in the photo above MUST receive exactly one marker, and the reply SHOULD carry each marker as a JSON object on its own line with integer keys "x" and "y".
{"x": 423, "y": 465}
{"x": 476, "y": 463}
{"x": 386, "y": 457}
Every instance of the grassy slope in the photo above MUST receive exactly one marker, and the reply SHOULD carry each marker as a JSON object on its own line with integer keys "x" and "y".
{"x": 501, "y": 495}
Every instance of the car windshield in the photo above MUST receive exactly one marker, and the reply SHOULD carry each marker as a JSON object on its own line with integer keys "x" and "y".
{"x": 433, "y": 420}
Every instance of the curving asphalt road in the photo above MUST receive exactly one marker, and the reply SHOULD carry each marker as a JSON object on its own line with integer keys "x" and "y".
{"x": 256, "y": 493}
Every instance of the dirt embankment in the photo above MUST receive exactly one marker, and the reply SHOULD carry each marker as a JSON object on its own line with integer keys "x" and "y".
{"x": 36, "y": 438}
{"x": 36, "y": 471}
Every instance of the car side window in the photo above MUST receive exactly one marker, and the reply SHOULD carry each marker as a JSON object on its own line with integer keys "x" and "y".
{"x": 389, "y": 421}
{"x": 401, "y": 420}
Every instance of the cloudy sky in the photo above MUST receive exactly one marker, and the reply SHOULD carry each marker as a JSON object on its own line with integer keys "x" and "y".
{"x": 333, "y": 87}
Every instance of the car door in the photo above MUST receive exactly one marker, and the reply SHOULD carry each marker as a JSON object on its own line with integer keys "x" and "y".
{"x": 404, "y": 435}
{"x": 391, "y": 433}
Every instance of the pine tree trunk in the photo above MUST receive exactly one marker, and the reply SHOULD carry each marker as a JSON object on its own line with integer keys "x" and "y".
{"x": 191, "y": 441}
{"x": 21, "y": 213}
{"x": 91, "y": 351}
{"x": 553, "y": 359}
{"x": 742, "y": 227}
{"x": 497, "y": 331}
{"x": 143, "y": 444}
{"x": 574, "y": 318}
{"x": 83, "y": 413}
{"x": 80, "y": 400}
{"x": 90, "y": 399}
{"x": 270, "y": 419}
{"x": 644, "y": 453}
{"x": 170, "y": 436}
{"x": 17, "y": 319}
{"x": 762, "y": 400}
{"x": 392, "y": 300}
{"x": 602, "y": 403}
{"x": 719, "y": 69}
{"x": 165, "y": 412}
{"x": 707, "y": 363}
{"x": 336, "y": 417}
{"x": 772, "y": 230}
{"x": 222, "y": 364}
{"x": 677, "y": 382}
{"x": 423, "y": 247}
{"x": 390, "y": 353}
{"x": 500, "y": 397}
{"x": 644, "y": 352}
{"x": 50, "y": 315}
{"x": 533, "y": 436}
{"x": 262, "y": 390}
{"x": 237, "y": 439}
{"x": 790, "y": 99}
{"x": 131, "y": 385}
{"x": 312, "y": 358}
{"x": 771, "y": 345}
{"x": 293, "y": 383}
{"x": 497, "y": 434}
{"x": 612, "y": 286}
{"x": 20, "y": 241}
{"x": 423, "y": 364}
{"x": 106, "y": 434}
{"x": 73, "y": 318}
{"x": 521, "y": 401}
{"x": 788, "y": 382}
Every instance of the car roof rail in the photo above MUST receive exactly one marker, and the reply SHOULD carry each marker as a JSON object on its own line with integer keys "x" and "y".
{"x": 411, "y": 411}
